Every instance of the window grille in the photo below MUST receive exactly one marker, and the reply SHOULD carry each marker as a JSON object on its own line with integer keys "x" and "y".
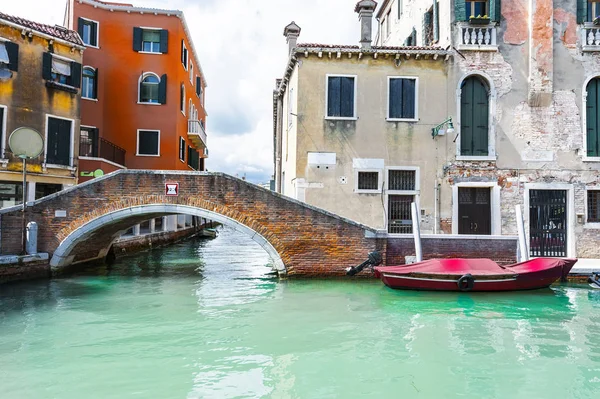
{"x": 368, "y": 180}
{"x": 402, "y": 180}
{"x": 593, "y": 206}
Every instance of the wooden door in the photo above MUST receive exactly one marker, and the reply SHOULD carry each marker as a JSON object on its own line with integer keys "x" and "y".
{"x": 474, "y": 211}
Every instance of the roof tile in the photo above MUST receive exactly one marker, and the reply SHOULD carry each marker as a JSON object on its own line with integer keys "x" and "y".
{"x": 56, "y": 31}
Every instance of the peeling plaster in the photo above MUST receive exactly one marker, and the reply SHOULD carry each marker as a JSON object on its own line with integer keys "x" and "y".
{"x": 515, "y": 13}
{"x": 568, "y": 33}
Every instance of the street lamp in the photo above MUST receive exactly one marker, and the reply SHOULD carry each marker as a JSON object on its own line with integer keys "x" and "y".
{"x": 438, "y": 131}
{"x": 25, "y": 143}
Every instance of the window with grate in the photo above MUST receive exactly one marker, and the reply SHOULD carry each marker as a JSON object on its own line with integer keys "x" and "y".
{"x": 368, "y": 180}
{"x": 593, "y": 206}
{"x": 402, "y": 180}
{"x": 399, "y": 214}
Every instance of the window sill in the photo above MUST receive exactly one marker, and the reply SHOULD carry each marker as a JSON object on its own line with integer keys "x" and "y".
{"x": 401, "y": 120}
{"x": 89, "y": 99}
{"x": 60, "y": 86}
{"x": 592, "y": 226}
{"x": 147, "y": 155}
{"x": 590, "y": 159}
{"x": 182, "y": 113}
{"x": 182, "y": 160}
{"x": 91, "y": 46}
{"x": 341, "y": 118}
{"x": 475, "y": 158}
{"x": 141, "y": 103}
{"x": 150, "y": 52}
{"x": 184, "y": 67}
{"x": 367, "y": 191}
{"x": 56, "y": 166}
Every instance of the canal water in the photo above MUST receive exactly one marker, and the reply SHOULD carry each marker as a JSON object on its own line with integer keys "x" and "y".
{"x": 204, "y": 319}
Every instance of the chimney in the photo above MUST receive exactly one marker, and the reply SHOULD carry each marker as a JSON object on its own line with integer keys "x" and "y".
{"x": 291, "y": 32}
{"x": 365, "y": 10}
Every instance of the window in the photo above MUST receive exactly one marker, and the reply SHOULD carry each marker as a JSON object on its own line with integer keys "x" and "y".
{"x": 152, "y": 89}
{"x": 412, "y": 39}
{"x": 9, "y": 59}
{"x": 476, "y": 8}
{"x": 150, "y": 40}
{"x": 46, "y": 189}
{"x": 89, "y": 86}
{"x": 181, "y": 149}
{"x": 148, "y": 143}
{"x": 193, "y": 158}
{"x": 59, "y": 72}
{"x": 474, "y": 111}
{"x": 368, "y": 180}
{"x": 402, "y": 98}
{"x": 11, "y": 193}
{"x": 88, "y": 30}
{"x": 182, "y": 99}
{"x": 340, "y": 97}
{"x": 593, "y": 10}
{"x": 401, "y": 180}
{"x": 198, "y": 87}
{"x": 428, "y": 27}
{"x": 58, "y": 141}
{"x": 400, "y": 8}
{"x": 593, "y": 118}
{"x": 192, "y": 73}
{"x": 387, "y": 24}
{"x": 402, "y": 188}
{"x": 88, "y": 142}
{"x": 184, "y": 55}
{"x": 593, "y": 206}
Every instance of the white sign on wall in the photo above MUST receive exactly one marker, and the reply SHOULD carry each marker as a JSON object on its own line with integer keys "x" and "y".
{"x": 321, "y": 158}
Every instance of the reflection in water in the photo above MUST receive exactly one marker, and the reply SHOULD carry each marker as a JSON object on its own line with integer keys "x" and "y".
{"x": 205, "y": 319}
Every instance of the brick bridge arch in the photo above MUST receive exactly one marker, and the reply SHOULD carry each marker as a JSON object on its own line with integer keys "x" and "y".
{"x": 80, "y": 223}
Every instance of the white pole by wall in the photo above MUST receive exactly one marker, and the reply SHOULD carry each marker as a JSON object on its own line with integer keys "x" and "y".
{"x": 523, "y": 251}
{"x": 416, "y": 231}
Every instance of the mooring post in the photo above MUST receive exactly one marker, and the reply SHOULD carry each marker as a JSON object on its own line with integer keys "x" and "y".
{"x": 523, "y": 252}
{"x": 416, "y": 232}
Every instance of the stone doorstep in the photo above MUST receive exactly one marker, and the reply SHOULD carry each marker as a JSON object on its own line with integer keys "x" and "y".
{"x": 6, "y": 260}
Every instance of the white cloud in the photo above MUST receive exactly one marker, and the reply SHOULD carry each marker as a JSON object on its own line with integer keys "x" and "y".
{"x": 242, "y": 50}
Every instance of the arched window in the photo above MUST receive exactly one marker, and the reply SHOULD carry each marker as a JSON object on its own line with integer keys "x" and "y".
{"x": 474, "y": 117}
{"x": 149, "y": 88}
{"x": 89, "y": 86}
{"x": 592, "y": 110}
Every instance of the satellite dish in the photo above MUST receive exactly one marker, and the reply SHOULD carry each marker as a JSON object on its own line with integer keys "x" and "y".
{"x": 25, "y": 142}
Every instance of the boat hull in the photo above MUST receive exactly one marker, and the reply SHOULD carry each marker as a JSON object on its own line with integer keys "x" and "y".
{"x": 534, "y": 274}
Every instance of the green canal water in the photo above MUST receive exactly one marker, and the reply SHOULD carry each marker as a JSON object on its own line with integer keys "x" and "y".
{"x": 203, "y": 319}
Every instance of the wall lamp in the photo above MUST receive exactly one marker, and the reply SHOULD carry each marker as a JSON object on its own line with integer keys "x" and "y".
{"x": 438, "y": 131}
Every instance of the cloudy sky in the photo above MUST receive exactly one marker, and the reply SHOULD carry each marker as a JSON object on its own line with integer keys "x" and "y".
{"x": 242, "y": 51}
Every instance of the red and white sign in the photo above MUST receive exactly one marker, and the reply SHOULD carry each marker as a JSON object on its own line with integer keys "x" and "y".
{"x": 171, "y": 189}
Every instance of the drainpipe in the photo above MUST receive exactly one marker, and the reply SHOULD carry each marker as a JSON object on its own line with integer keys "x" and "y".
{"x": 435, "y": 206}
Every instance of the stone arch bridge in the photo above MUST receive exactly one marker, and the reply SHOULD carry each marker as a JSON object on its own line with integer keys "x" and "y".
{"x": 80, "y": 224}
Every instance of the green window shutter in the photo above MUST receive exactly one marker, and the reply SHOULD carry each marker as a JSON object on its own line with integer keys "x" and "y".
{"x": 436, "y": 21}
{"x": 96, "y": 84}
{"x": 581, "y": 11}
{"x": 13, "y": 55}
{"x": 47, "y": 66}
{"x": 495, "y": 12}
{"x": 480, "y": 119}
{"x": 466, "y": 117}
{"x": 164, "y": 41}
{"x": 592, "y": 113}
{"x": 80, "y": 23}
{"x": 162, "y": 90}
{"x": 76, "y": 74}
{"x": 137, "y": 39}
{"x": 460, "y": 10}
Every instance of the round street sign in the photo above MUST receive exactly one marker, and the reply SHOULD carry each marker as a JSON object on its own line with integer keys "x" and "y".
{"x": 25, "y": 142}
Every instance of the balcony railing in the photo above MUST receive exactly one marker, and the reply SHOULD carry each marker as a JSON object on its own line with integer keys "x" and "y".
{"x": 196, "y": 133}
{"x": 473, "y": 37}
{"x": 590, "y": 37}
{"x": 100, "y": 148}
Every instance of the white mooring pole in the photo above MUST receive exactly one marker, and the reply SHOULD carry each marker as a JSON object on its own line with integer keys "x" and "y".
{"x": 416, "y": 231}
{"x": 523, "y": 252}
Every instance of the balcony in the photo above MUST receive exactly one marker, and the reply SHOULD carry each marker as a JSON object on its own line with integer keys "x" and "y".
{"x": 197, "y": 134}
{"x": 477, "y": 38}
{"x": 95, "y": 147}
{"x": 590, "y": 37}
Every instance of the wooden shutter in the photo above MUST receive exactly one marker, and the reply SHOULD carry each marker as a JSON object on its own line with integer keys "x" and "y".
{"x": 80, "y": 22}
{"x": 198, "y": 86}
{"x": 182, "y": 52}
{"x": 347, "y": 97}
{"x": 162, "y": 90}
{"x": 94, "y": 34}
{"x": 408, "y": 98}
{"x": 413, "y": 37}
{"x": 395, "y": 95}
{"x": 96, "y": 83}
{"x": 47, "y": 66}
{"x": 59, "y": 142}
{"x": 480, "y": 119}
{"x": 137, "y": 39}
{"x": 592, "y": 113}
{"x": 460, "y": 10}
{"x": 581, "y": 11}
{"x": 426, "y": 27}
{"x": 495, "y": 11}
{"x": 334, "y": 96}
{"x": 164, "y": 41}
{"x": 436, "y": 21}
{"x": 75, "y": 74}
{"x": 13, "y": 55}
{"x": 466, "y": 117}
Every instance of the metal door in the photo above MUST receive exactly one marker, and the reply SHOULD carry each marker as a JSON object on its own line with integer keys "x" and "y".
{"x": 474, "y": 211}
{"x": 548, "y": 223}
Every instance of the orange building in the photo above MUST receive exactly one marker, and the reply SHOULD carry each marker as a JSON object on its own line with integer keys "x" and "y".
{"x": 142, "y": 89}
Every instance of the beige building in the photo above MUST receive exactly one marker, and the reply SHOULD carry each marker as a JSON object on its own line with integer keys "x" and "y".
{"x": 523, "y": 98}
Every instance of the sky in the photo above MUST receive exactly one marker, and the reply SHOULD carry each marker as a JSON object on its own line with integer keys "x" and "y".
{"x": 242, "y": 51}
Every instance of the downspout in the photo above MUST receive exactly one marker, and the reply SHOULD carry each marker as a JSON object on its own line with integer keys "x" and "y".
{"x": 436, "y": 198}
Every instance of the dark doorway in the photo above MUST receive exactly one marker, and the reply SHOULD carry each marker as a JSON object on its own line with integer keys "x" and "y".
{"x": 548, "y": 223}
{"x": 399, "y": 214}
{"x": 474, "y": 211}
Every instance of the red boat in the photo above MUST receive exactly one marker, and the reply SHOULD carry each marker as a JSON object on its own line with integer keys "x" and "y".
{"x": 475, "y": 274}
